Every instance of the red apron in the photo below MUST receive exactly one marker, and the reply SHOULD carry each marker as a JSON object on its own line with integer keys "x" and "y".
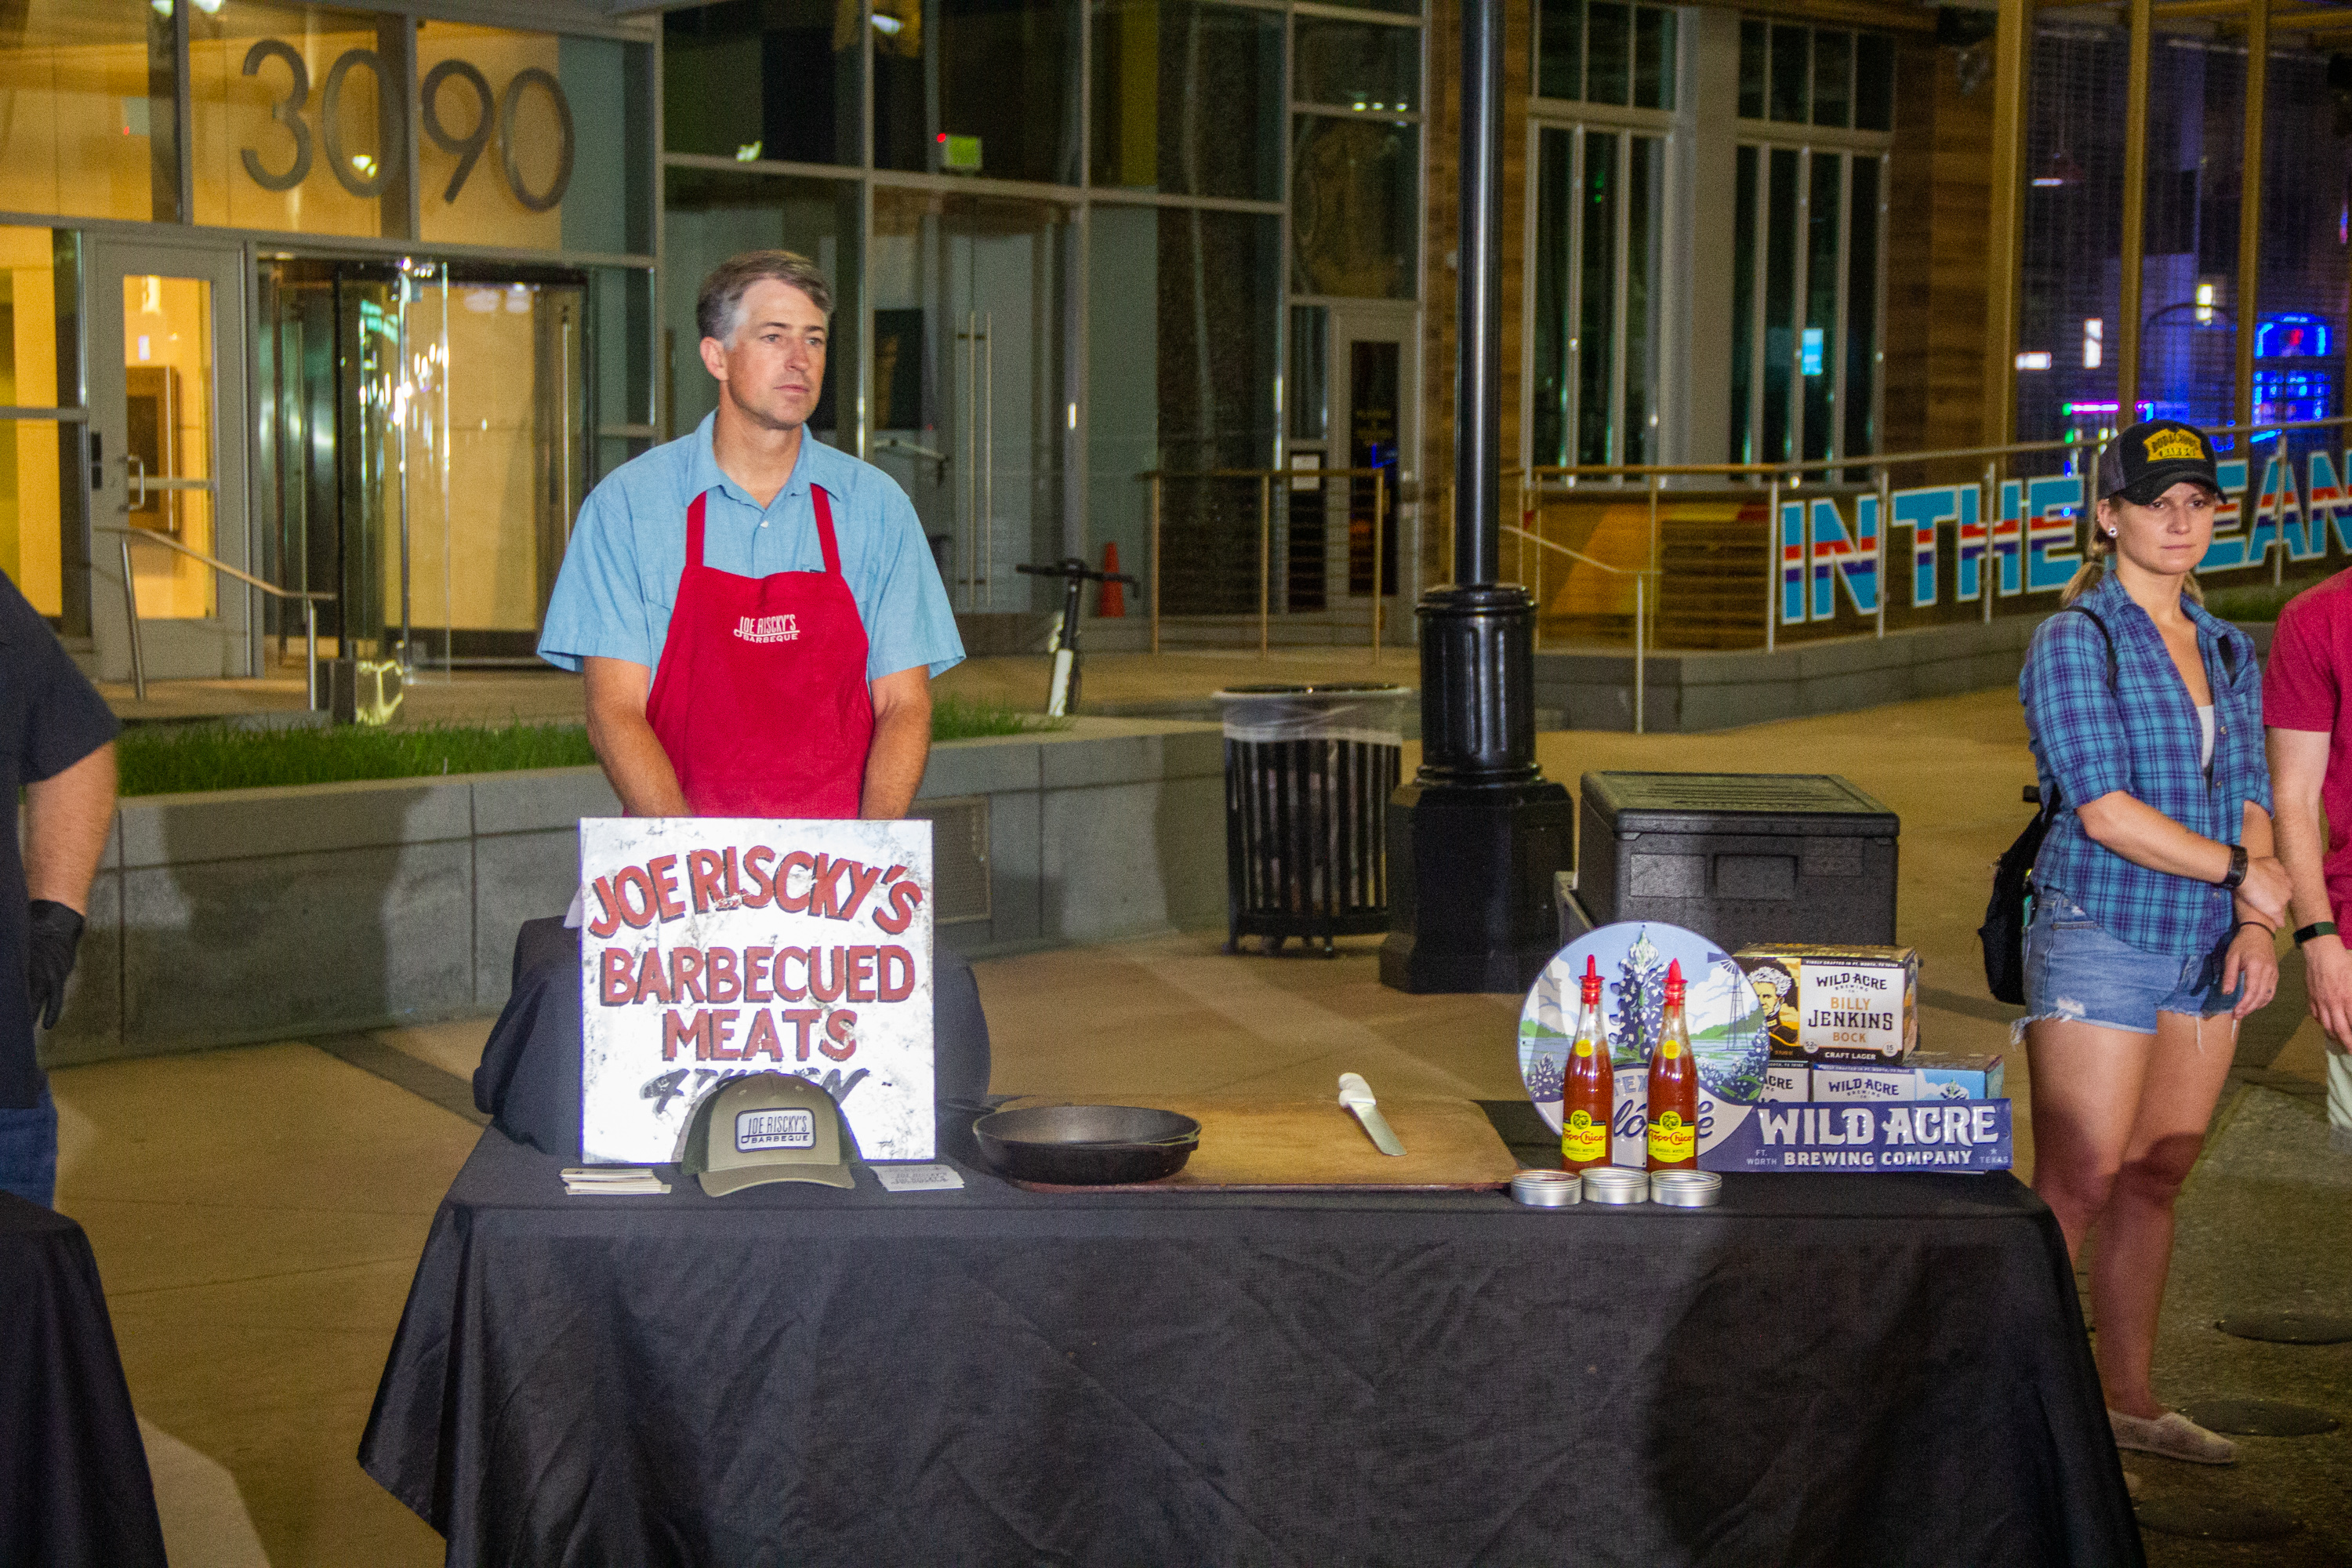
{"x": 760, "y": 701}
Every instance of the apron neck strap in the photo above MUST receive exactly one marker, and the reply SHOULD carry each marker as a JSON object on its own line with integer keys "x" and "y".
{"x": 825, "y": 536}
{"x": 824, "y": 530}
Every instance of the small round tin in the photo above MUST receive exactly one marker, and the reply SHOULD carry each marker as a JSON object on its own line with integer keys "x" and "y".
{"x": 1686, "y": 1189}
{"x": 1615, "y": 1184}
{"x": 1546, "y": 1189}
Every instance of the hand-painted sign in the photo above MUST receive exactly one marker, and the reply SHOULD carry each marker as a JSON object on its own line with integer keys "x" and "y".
{"x": 2030, "y": 545}
{"x": 713, "y": 947}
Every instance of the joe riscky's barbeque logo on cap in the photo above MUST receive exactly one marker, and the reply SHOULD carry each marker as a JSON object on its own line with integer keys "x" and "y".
{"x": 2151, "y": 458}
{"x": 767, "y": 1127}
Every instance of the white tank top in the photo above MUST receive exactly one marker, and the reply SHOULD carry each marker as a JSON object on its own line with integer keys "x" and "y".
{"x": 2205, "y": 735}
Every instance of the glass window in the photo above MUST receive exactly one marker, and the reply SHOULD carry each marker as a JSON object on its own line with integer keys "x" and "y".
{"x": 620, "y": 302}
{"x": 40, "y": 485}
{"x": 992, "y": 91}
{"x": 1832, "y": 77}
{"x": 1873, "y": 82}
{"x": 1781, "y": 253}
{"x": 1817, "y": 351}
{"x": 1792, "y": 68}
{"x": 87, "y": 125}
{"x": 1653, "y": 58}
{"x": 170, "y": 426}
{"x": 1607, "y": 51}
{"x": 1862, "y": 311}
{"x": 531, "y": 140}
{"x": 1311, "y": 372}
{"x": 1560, "y": 60}
{"x": 773, "y": 78}
{"x": 1600, "y": 205}
{"x": 1755, "y": 66}
{"x": 1189, "y": 98}
{"x": 1805, "y": 328}
{"x": 713, "y": 214}
{"x": 1743, "y": 306}
{"x": 1597, "y": 296}
{"x": 298, "y": 118}
{"x": 1185, "y": 307}
{"x": 1354, "y": 184}
{"x": 1356, "y": 65}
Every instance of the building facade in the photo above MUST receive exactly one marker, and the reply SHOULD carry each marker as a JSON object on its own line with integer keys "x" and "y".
{"x": 361, "y": 301}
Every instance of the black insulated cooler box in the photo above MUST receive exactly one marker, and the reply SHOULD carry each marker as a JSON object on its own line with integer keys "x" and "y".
{"x": 1740, "y": 858}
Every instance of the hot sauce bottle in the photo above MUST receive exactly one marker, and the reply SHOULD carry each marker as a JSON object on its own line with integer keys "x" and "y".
{"x": 1587, "y": 1094}
{"x": 1674, "y": 1086}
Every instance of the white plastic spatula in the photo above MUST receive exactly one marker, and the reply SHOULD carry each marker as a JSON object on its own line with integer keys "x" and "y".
{"x": 1357, "y": 1096}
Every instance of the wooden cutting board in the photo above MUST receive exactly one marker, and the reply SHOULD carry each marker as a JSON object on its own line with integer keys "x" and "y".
{"x": 1306, "y": 1144}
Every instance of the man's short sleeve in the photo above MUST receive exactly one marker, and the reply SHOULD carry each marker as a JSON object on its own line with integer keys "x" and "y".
{"x": 2071, "y": 711}
{"x": 598, "y": 608}
{"x": 2301, "y": 687}
{"x": 908, "y": 621}
{"x": 65, "y": 718}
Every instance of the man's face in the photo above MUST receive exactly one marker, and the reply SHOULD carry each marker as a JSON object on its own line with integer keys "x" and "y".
{"x": 773, "y": 366}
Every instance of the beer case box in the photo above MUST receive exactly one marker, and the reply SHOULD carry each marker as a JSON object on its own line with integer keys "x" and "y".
{"x": 1837, "y": 1004}
{"x": 1925, "y": 1075}
{"x": 1787, "y": 1080}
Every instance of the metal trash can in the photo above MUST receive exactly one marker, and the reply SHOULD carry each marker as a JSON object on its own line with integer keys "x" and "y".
{"x": 1308, "y": 772}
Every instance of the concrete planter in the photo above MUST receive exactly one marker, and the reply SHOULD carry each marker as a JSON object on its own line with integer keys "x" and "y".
{"x": 246, "y": 915}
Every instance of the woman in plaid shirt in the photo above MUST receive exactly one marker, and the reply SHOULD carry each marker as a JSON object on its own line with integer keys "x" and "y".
{"x": 2156, "y": 896}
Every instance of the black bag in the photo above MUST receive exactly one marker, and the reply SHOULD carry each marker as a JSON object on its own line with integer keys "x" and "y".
{"x": 2006, "y": 914}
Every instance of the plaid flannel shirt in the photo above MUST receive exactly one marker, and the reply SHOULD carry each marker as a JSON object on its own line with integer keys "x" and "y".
{"x": 2141, "y": 736}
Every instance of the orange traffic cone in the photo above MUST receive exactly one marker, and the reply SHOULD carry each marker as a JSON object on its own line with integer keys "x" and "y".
{"x": 1113, "y": 595}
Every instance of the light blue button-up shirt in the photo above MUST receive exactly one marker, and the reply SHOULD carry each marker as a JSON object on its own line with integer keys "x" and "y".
{"x": 620, "y": 574}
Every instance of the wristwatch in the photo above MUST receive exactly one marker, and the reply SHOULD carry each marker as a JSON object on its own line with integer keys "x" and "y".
{"x": 2316, "y": 928}
{"x": 2237, "y": 868}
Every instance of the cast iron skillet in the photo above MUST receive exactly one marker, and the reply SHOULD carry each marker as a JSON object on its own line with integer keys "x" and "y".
{"x": 1086, "y": 1145}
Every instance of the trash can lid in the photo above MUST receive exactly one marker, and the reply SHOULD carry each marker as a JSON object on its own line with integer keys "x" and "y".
{"x": 1344, "y": 689}
{"x": 1369, "y": 712}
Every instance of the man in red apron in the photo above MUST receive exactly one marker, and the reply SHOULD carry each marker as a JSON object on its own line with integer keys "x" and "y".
{"x": 757, "y": 616}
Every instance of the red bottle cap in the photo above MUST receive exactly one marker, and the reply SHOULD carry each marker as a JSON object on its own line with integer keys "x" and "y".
{"x": 1592, "y": 981}
{"x": 1675, "y": 983}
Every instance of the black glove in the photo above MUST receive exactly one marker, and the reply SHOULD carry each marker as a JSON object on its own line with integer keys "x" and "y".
{"x": 49, "y": 961}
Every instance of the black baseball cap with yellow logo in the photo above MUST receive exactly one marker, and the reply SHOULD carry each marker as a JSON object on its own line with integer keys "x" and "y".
{"x": 2152, "y": 457}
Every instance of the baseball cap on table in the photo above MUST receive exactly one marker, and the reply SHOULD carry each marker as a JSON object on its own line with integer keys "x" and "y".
{"x": 768, "y": 1126}
{"x": 2152, "y": 457}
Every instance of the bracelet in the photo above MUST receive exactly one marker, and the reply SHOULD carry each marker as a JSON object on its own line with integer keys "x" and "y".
{"x": 2237, "y": 872}
{"x": 2316, "y": 928}
{"x": 2242, "y": 925}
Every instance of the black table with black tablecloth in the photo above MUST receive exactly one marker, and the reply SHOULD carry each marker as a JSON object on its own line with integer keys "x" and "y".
{"x": 1847, "y": 1369}
{"x": 74, "y": 1487}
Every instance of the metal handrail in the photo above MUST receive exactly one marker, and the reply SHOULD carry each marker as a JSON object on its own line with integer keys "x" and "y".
{"x": 311, "y": 601}
{"x": 1639, "y": 574}
{"x": 1266, "y": 477}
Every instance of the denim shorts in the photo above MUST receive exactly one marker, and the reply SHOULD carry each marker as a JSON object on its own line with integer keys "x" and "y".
{"x": 2076, "y": 972}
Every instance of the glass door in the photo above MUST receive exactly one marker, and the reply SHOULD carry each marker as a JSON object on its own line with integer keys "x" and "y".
{"x": 970, "y": 409}
{"x": 424, "y": 451}
{"x": 1363, "y": 409}
{"x": 166, "y": 369}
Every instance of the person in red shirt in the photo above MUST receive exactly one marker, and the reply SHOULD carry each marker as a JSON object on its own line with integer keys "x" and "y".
{"x": 2307, "y": 716}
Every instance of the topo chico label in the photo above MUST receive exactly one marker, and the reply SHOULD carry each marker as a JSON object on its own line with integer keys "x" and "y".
{"x": 1673, "y": 1139}
{"x": 1582, "y": 1138}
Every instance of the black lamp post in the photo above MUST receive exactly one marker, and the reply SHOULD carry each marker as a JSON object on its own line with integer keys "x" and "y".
{"x": 1475, "y": 838}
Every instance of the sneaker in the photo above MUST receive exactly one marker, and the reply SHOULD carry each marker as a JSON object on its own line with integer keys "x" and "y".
{"x": 2173, "y": 1435}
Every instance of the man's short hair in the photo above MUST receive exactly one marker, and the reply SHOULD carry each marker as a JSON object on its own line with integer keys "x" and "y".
{"x": 719, "y": 308}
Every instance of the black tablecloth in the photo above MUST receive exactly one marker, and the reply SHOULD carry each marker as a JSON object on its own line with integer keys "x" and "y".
{"x": 73, "y": 1473}
{"x": 529, "y": 1082}
{"x": 1867, "y": 1370}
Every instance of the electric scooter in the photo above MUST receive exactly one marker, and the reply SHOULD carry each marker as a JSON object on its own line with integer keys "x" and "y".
{"x": 1062, "y": 694}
